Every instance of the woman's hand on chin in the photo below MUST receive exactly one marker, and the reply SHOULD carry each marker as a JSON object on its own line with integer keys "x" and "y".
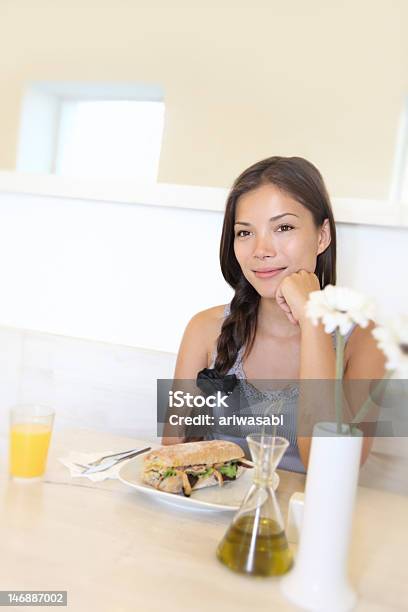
{"x": 293, "y": 293}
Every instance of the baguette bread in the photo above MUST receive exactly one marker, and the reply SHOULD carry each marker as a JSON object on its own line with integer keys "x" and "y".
{"x": 180, "y": 468}
{"x": 194, "y": 453}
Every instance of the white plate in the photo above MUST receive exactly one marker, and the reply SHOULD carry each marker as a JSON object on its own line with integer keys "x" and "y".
{"x": 216, "y": 498}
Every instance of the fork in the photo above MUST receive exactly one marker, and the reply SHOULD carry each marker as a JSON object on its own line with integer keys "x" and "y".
{"x": 126, "y": 455}
{"x": 98, "y": 461}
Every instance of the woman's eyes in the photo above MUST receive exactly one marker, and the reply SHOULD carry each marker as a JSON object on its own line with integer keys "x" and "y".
{"x": 282, "y": 228}
{"x": 285, "y": 225}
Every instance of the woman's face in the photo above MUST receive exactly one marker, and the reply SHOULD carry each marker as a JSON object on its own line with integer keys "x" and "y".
{"x": 275, "y": 236}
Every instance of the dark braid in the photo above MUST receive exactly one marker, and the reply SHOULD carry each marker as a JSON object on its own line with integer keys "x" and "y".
{"x": 303, "y": 181}
{"x": 239, "y": 326}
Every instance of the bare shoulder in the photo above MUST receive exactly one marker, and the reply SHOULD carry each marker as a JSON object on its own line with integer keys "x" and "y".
{"x": 199, "y": 341}
{"x": 207, "y": 324}
{"x": 363, "y": 358}
{"x": 210, "y": 319}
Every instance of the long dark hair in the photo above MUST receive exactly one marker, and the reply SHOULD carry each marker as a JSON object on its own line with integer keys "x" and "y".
{"x": 303, "y": 181}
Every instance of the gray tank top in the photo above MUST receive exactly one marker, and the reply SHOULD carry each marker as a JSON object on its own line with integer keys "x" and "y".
{"x": 257, "y": 399}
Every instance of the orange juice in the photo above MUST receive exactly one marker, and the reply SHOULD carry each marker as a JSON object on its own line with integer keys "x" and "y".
{"x": 28, "y": 449}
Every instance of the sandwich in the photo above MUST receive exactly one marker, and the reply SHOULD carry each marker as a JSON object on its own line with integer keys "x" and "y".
{"x": 183, "y": 468}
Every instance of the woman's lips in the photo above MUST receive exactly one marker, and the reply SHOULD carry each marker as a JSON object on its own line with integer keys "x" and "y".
{"x": 268, "y": 273}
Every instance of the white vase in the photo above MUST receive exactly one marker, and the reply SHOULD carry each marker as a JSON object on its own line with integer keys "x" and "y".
{"x": 319, "y": 579}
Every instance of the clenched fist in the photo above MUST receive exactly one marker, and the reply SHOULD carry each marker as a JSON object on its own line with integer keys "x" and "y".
{"x": 293, "y": 293}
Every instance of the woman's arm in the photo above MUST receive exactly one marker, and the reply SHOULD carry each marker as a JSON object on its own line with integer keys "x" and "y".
{"x": 196, "y": 345}
{"x": 364, "y": 362}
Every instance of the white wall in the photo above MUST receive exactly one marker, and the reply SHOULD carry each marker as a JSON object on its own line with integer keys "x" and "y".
{"x": 134, "y": 275}
{"x": 126, "y": 274}
{"x": 373, "y": 260}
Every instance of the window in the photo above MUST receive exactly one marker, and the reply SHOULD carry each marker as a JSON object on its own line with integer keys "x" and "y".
{"x": 399, "y": 182}
{"x": 95, "y": 130}
{"x": 110, "y": 139}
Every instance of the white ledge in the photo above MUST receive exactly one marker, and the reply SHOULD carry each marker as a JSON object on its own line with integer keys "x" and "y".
{"x": 346, "y": 210}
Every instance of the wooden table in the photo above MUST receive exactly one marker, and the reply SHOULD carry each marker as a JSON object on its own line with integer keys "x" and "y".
{"x": 116, "y": 550}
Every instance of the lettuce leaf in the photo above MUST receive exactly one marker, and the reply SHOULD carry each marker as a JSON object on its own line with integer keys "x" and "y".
{"x": 169, "y": 472}
{"x": 206, "y": 473}
{"x": 229, "y": 470}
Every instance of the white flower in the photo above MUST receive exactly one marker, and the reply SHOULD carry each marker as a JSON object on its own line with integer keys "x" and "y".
{"x": 339, "y": 307}
{"x": 393, "y": 341}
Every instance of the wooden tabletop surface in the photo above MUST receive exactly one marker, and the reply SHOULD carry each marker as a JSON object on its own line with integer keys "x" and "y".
{"x": 115, "y": 549}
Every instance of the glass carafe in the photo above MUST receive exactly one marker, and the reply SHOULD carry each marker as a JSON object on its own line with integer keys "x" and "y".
{"x": 255, "y": 542}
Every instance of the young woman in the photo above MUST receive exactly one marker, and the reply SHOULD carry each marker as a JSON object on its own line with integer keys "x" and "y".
{"x": 278, "y": 244}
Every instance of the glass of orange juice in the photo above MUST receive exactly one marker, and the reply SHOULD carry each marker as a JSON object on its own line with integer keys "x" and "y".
{"x": 30, "y": 434}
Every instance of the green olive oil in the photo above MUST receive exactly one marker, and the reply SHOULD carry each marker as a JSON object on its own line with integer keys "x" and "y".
{"x": 258, "y": 550}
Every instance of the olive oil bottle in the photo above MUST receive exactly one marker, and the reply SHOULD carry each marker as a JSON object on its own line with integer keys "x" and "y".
{"x": 256, "y": 543}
